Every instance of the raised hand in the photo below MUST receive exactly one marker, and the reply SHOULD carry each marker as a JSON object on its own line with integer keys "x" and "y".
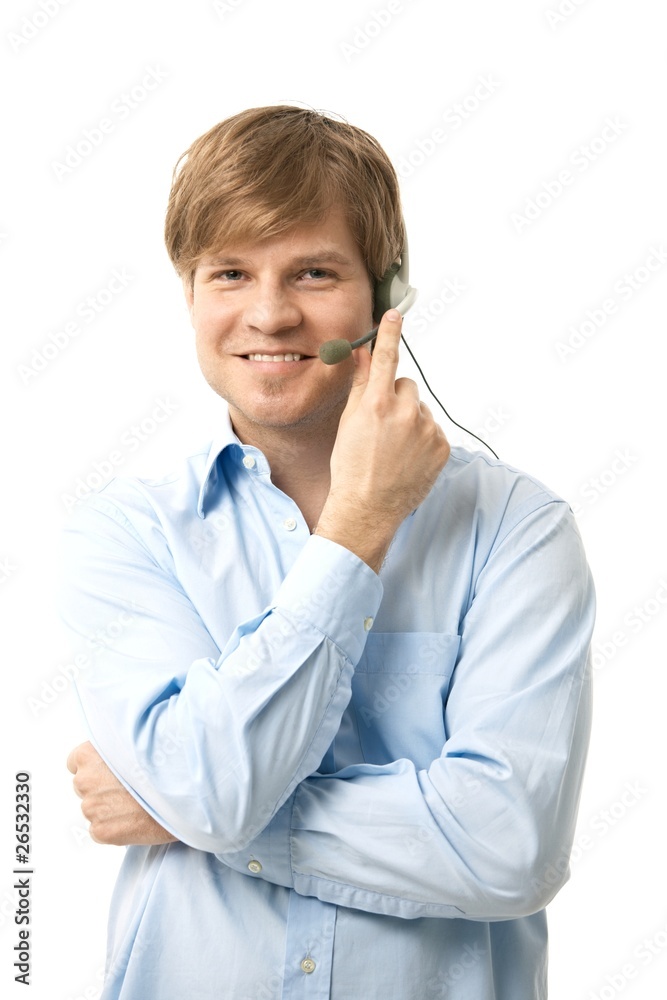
{"x": 388, "y": 452}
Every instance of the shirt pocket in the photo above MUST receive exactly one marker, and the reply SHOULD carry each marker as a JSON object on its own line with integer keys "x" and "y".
{"x": 399, "y": 690}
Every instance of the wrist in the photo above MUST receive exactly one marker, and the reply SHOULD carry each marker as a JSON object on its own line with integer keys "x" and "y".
{"x": 367, "y": 537}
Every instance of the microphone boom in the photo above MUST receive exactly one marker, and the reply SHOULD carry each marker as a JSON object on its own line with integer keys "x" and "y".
{"x": 334, "y": 351}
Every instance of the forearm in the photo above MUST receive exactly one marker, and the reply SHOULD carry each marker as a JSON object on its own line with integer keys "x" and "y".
{"x": 480, "y": 831}
{"x": 212, "y": 745}
{"x": 455, "y": 841}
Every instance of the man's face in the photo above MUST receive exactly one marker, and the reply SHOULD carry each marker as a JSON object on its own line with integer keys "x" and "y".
{"x": 262, "y": 310}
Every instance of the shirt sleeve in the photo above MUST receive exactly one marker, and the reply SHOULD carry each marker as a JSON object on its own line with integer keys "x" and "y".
{"x": 485, "y": 831}
{"x": 197, "y": 734}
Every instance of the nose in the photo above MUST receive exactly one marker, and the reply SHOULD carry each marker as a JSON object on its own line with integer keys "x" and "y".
{"x": 272, "y": 308}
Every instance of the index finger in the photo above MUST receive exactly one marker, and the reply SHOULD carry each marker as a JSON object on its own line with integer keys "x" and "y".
{"x": 385, "y": 353}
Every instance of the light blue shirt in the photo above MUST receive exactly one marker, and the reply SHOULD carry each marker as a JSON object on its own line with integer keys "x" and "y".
{"x": 374, "y": 779}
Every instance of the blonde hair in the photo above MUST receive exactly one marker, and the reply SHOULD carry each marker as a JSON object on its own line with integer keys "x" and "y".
{"x": 266, "y": 170}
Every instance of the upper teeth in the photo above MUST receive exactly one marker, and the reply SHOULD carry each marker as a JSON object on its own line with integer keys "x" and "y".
{"x": 275, "y": 357}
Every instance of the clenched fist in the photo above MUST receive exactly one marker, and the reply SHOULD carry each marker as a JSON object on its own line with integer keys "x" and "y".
{"x": 115, "y": 817}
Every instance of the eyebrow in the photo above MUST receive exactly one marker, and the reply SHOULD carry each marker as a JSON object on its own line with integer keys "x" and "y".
{"x": 320, "y": 256}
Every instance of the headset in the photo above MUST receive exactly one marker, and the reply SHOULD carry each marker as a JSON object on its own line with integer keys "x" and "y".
{"x": 393, "y": 291}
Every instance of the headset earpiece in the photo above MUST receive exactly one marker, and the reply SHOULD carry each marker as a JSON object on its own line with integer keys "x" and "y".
{"x": 393, "y": 291}
{"x": 387, "y": 291}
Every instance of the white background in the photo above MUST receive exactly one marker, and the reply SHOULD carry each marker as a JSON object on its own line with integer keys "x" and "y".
{"x": 588, "y": 421}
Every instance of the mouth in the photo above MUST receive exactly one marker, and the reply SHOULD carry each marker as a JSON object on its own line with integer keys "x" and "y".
{"x": 276, "y": 358}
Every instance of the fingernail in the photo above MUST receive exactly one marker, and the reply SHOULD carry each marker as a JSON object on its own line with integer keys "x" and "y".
{"x": 393, "y": 314}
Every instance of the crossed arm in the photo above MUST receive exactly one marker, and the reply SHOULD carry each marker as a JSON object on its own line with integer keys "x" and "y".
{"x": 387, "y": 455}
{"x": 539, "y": 701}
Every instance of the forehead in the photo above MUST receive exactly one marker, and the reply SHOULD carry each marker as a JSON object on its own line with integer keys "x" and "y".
{"x": 331, "y": 239}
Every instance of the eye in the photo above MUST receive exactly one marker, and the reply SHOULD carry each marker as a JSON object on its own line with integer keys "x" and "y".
{"x": 317, "y": 273}
{"x": 229, "y": 275}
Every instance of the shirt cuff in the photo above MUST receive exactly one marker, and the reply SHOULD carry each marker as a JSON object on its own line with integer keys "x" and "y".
{"x": 269, "y": 855}
{"x": 333, "y": 589}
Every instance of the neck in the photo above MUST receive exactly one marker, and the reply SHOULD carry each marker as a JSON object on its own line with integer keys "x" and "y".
{"x": 300, "y": 464}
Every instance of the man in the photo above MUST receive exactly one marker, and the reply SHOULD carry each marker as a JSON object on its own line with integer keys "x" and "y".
{"x": 344, "y": 722}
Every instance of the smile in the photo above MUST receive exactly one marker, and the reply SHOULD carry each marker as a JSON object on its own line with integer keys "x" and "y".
{"x": 275, "y": 357}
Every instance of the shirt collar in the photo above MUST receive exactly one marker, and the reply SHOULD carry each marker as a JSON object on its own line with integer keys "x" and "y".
{"x": 225, "y": 438}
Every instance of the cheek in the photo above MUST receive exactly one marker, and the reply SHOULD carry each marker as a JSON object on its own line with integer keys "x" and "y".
{"x": 209, "y": 325}
{"x": 207, "y": 344}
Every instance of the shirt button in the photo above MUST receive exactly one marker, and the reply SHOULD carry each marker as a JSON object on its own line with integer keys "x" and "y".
{"x": 307, "y": 965}
{"x": 255, "y": 867}
{"x": 249, "y": 462}
{"x": 368, "y": 624}
{"x": 289, "y": 524}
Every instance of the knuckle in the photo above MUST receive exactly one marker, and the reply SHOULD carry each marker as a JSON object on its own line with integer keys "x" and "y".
{"x": 79, "y": 785}
{"x": 96, "y": 832}
{"x": 378, "y": 405}
{"x": 88, "y": 811}
{"x": 102, "y": 831}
